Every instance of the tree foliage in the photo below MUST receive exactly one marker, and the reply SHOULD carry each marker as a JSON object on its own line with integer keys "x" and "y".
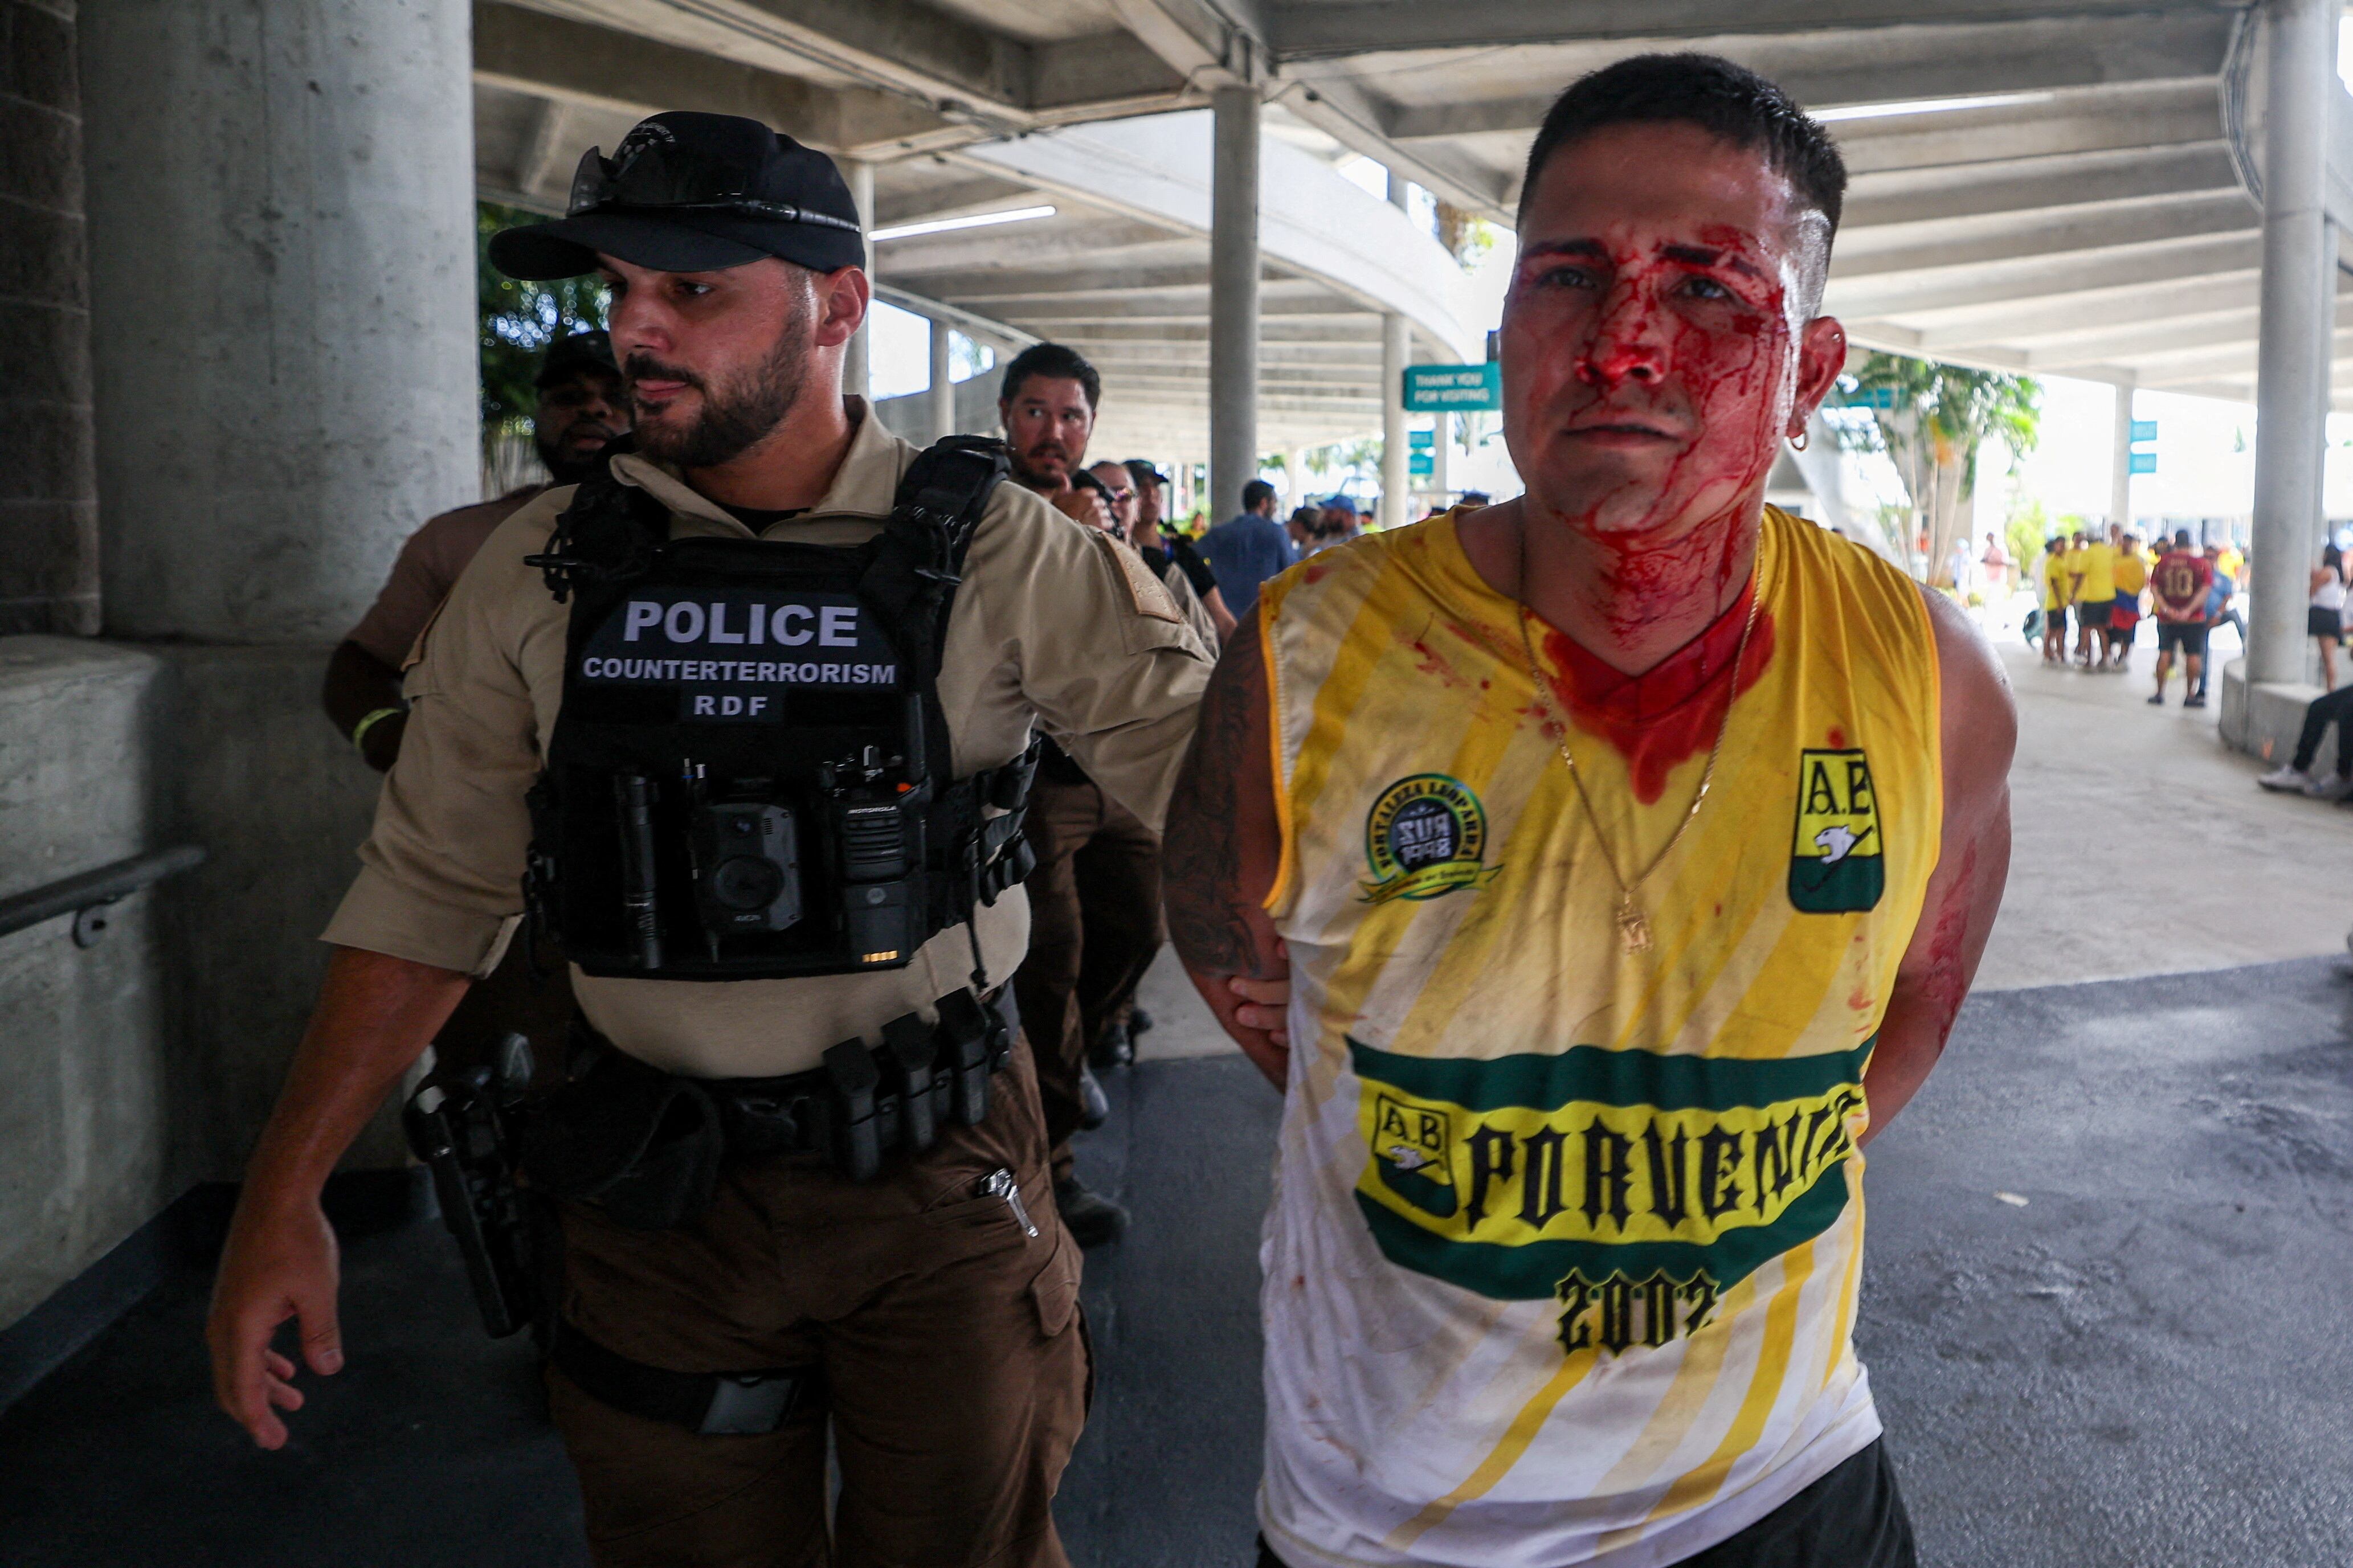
{"x": 517, "y": 322}
{"x": 1935, "y": 419}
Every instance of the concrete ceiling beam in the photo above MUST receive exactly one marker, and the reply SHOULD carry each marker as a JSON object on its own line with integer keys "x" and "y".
{"x": 1358, "y": 119}
{"x": 933, "y": 203}
{"x": 1926, "y": 62}
{"x": 1324, "y": 30}
{"x": 2068, "y": 311}
{"x": 1987, "y": 241}
{"x": 2025, "y": 283}
{"x": 1115, "y": 310}
{"x": 1935, "y": 141}
{"x": 569, "y": 62}
{"x": 2023, "y": 185}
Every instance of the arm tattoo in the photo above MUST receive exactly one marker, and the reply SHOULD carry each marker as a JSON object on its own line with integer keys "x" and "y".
{"x": 1201, "y": 855}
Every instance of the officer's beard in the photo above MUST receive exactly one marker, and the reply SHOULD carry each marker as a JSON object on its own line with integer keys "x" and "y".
{"x": 736, "y": 414}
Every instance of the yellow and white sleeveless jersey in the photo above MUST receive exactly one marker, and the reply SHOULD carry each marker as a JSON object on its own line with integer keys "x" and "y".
{"x": 1562, "y": 1261}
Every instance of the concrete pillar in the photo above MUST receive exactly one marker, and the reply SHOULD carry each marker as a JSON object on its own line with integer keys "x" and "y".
{"x": 282, "y": 325}
{"x": 855, "y": 380}
{"x": 49, "y": 486}
{"x": 1233, "y": 299}
{"x": 2293, "y": 357}
{"x": 1441, "y": 454}
{"x": 281, "y": 230}
{"x": 1396, "y": 344}
{"x": 943, "y": 385}
{"x": 2120, "y": 458}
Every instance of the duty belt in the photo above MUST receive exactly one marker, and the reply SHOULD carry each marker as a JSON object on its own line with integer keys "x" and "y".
{"x": 862, "y": 1104}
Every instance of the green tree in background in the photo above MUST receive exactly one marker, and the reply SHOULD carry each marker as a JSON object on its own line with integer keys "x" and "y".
{"x": 1934, "y": 418}
{"x": 517, "y": 322}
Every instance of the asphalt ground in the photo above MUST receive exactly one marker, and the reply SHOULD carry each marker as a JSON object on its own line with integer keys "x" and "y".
{"x": 2144, "y": 1363}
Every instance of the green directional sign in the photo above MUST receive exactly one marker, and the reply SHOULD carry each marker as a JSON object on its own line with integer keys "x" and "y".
{"x": 2142, "y": 430}
{"x": 1416, "y": 440}
{"x": 1452, "y": 388}
{"x": 1420, "y": 465}
{"x": 1873, "y": 397}
{"x": 2142, "y": 462}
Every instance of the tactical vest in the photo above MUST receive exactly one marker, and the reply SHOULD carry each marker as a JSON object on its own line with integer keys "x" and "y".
{"x": 748, "y": 777}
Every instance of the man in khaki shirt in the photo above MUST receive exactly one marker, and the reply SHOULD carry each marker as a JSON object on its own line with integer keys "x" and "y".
{"x": 936, "y": 1305}
{"x": 581, "y": 412}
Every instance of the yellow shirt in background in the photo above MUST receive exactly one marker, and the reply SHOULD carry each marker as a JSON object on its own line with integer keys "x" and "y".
{"x": 2131, "y": 575}
{"x": 2058, "y": 586}
{"x": 2095, "y": 571}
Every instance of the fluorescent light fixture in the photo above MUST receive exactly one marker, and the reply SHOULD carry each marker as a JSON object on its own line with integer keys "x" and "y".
{"x": 1929, "y": 106}
{"x": 942, "y": 225}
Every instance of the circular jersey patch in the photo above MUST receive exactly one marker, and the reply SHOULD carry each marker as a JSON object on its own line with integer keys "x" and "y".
{"x": 1426, "y": 836}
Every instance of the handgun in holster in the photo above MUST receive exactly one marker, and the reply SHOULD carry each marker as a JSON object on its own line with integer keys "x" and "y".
{"x": 464, "y": 1126}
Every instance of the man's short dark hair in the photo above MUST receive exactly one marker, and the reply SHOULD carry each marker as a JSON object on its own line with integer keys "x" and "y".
{"x": 1256, "y": 494}
{"x": 1729, "y": 101}
{"x": 1055, "y": 363}
{"x": 2181, "y": 539}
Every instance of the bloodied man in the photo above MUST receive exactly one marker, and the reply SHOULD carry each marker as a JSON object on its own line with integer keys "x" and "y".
{"x": 1627, "y": 850}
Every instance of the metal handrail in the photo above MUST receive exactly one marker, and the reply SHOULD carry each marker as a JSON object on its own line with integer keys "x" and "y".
{"x": 90, "y": 889}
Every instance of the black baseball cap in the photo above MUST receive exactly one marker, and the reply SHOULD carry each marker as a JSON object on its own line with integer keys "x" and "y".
{"x": 693, "y": 192}
{"x": 567, "y": 357}
{"x": 1141, "y": 472}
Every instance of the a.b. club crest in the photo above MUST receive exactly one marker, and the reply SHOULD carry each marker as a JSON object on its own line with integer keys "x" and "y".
{"x": 1425, "y": 837}
{"x": 1837, "y": 863}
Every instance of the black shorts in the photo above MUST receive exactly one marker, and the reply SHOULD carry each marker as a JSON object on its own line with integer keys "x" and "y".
{"x": 2324, "y": 623}
{"x": 2091, "y": 618}
{"x": 2185, "y": 637}
{"x": 2054, "y": 620}
{"x": 1851, "y": 1518}
{"x": 2123, "y": 632}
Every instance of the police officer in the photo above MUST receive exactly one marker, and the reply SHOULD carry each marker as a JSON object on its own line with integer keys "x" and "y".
{"x": 1094, "y": 894}
{"x": 581, "y": 413}
{"x": 760, "y": 812}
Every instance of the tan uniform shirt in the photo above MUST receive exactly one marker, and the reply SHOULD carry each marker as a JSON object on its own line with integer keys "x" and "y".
{"x": 1196, "y": 614}
{"x": 428, "y": 567}
{"x": 1054, "y": 622}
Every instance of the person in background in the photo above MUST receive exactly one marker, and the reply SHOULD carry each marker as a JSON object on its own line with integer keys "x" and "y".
{"x": 1961, "y": 564}
{"x": 1145, "y": 539}
{"x": 583, "y": 411}
{"x": 2056, "y": 595}
{"x": 2324, "y": 618}
{"x": 1995, "y": 565}
{"x": 1302, "y": 527}
{"x": 1094, "y": 895}
{"x": 2297, "y": 776}
{"x": 2229, "y": 559}
{"x": 1151, "y": 501}
{"x": 2092, "y": 589}
{"x": 2220, "y": 611}
{"x": 1474, "y": 498}
{"x": 2123, "y": 612}
{"x": 1248, "y": 548}
{"x": 2177, "y": 591}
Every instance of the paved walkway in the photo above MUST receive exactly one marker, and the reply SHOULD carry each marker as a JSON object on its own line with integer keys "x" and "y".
{"x": 2141, "y": 1363}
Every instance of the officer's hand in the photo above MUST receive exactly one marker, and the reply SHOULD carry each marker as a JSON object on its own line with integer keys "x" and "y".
{"x": 1083, "y": 505}
{"x": 278, "y": 1265}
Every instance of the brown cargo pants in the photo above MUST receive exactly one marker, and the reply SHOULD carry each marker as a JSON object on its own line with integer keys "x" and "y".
{"x": 1094, "y": 927}
{"x": 953, "y": 1351}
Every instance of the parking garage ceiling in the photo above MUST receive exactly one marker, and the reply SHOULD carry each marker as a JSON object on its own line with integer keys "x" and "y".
{"x": 2084, "y": 217}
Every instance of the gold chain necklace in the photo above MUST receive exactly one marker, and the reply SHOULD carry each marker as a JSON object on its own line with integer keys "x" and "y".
{"x": 1633, "y": 926}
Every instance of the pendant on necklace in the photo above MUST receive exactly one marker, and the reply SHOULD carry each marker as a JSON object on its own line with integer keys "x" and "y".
{"x": 1632, "y": 927}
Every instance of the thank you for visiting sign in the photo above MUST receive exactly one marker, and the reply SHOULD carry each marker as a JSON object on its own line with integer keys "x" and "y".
{"x": 1453, "y": 388}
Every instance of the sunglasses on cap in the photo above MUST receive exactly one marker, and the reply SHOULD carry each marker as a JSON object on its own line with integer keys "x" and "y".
{"x": 653, "y": 174}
